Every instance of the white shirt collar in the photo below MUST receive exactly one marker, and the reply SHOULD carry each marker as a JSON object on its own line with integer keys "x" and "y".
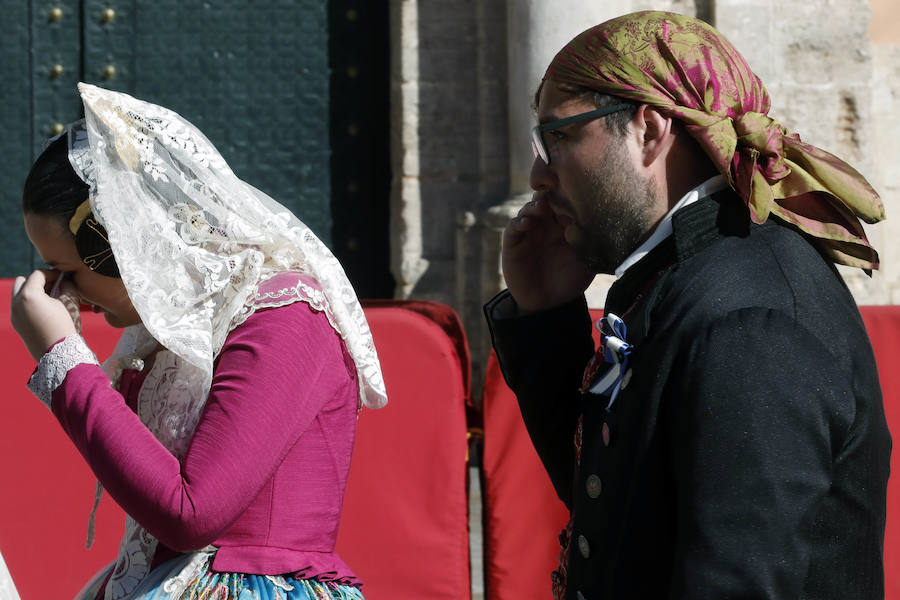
{"x": 664, "y": 229}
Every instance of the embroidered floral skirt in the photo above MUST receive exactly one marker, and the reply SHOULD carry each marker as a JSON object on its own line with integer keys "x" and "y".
{"x": 168, "y": 582}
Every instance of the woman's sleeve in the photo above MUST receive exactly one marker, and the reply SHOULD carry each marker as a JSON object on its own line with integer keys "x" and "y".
{"x": 274, "y": 374}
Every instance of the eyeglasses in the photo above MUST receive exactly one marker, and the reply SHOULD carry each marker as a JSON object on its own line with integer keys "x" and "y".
{"x": 537, "y": 134}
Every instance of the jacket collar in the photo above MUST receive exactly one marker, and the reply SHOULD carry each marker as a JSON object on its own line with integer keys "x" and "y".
{"x": 694, "y": 227}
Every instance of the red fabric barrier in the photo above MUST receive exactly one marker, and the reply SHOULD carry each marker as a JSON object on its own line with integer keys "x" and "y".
{"x": 523, "y": 516}
{"x": 48, "y": 490}
{"x": 405, "y": 524}
{"x": 883, "y": 326}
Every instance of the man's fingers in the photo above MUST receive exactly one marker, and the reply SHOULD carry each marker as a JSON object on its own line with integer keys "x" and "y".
{"x": 513, "y": 234}
{"x": 535, "y": 208}
{"x": 521, "y": 223}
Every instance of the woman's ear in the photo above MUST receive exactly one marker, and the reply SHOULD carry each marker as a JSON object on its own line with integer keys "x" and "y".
{"x": 656, "y": 135}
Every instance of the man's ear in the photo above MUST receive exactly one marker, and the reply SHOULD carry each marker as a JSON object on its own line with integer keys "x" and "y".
{"x": 655, "y": 134}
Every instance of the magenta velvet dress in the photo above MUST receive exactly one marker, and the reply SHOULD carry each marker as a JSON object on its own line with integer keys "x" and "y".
{"x": 262, "y": 482}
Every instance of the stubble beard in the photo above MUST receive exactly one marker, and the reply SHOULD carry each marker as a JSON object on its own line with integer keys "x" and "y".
{"x": 619, "y": 215}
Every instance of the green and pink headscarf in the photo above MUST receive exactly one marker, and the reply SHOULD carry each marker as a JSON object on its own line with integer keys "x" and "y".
{"x": 689, "y": 71}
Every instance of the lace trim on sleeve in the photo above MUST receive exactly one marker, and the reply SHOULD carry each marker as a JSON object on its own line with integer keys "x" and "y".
{"x": 55, "y": 364}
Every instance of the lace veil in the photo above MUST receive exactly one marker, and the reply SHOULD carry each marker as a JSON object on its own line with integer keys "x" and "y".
{"x": 192, "y": 241}
{"x": 195, "y": 247}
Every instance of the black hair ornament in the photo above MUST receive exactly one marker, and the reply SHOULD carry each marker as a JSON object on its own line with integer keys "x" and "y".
{"x": 92, "y": 242}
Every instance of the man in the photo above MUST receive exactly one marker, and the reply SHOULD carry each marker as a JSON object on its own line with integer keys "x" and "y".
{"x": 727, "y": 439}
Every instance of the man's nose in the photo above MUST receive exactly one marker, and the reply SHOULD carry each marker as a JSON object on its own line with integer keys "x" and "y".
{"x": 543, "y": 176}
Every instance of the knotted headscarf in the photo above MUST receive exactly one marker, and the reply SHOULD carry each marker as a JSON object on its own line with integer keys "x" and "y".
{"x": 689, "y": 71}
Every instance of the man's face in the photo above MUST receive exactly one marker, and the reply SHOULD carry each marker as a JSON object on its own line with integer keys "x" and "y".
{"x": 593, "y": 184}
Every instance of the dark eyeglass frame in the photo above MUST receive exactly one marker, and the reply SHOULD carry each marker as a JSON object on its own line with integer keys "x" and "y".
{"x": 539, "y": 148}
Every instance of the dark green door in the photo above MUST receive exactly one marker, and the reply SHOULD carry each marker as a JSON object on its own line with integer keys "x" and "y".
{"x": 258, "y": 78}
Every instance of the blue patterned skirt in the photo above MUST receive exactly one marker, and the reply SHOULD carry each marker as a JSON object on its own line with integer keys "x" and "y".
{"x": 168, "y": 582}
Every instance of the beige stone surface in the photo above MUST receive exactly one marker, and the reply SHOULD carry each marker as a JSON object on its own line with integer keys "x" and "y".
{"x": 885, "y": 136}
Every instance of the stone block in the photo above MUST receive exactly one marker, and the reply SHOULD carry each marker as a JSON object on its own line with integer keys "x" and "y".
{"x": 834, "y": 118}
{"x": 448, "y": 136}
{"x": 448, "y": 43}
{"x": 682, "y": 7}
{"x": 816, "y": 49}
{"x": 405, "y": 128}
{"x": 746, "y": 24}
{"x": 493, "y": 128}
{"x": 442, "y": 200}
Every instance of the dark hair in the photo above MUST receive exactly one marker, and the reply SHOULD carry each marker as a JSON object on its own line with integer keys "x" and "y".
{"x": 53, "y": 189}
{"x": 617, "y": 121}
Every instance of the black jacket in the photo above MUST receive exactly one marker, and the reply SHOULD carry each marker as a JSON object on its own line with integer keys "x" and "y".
{"x": 749, "y": 453}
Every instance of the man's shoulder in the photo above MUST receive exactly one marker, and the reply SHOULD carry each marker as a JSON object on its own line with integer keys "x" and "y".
{"x": 773, "y": 266}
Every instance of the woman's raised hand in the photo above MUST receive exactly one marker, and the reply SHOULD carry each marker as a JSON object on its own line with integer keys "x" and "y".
{"x": 38, "y": 319}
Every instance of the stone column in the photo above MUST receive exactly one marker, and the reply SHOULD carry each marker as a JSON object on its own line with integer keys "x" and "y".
{"x": 536, "y": 30}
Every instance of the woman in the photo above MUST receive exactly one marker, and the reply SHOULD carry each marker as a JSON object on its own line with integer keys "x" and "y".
{"x": 227, "y": 432}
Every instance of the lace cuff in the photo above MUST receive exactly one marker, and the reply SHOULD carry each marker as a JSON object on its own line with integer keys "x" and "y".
{"x": 55, "y": 364}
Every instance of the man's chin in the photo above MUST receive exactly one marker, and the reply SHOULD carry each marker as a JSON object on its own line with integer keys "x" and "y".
{"x": 594, "y": 260}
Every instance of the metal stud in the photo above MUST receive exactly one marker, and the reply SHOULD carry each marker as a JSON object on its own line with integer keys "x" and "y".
{"x": 56, "y": 13}
{"x": 594, "y": 486}
{"x": 56, "y": 71}
{"x": 352, "y": 15}
{"x": 352, "y": 129}
{"x": 352, "y": 72}
{"x": 109, "y": 72}
{"x": 584, "y": 548}
{"x": 56, "y": 128}
{"x": 108, "y": 15}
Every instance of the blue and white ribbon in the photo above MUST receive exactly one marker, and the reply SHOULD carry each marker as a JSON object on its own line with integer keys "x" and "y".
{"x": 616, "y": 354}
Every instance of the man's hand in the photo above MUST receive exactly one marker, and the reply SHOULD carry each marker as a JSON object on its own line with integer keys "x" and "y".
{"x": 38, "y": 319}
{"x": 541, "y": 269}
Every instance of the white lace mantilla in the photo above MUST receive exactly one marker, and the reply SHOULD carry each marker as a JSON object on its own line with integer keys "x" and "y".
{"x": 55, "y": 364}
{"x": 192, "y": 241}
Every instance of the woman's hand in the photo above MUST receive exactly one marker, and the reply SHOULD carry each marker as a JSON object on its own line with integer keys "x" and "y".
{"x": 38, "y": 319}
